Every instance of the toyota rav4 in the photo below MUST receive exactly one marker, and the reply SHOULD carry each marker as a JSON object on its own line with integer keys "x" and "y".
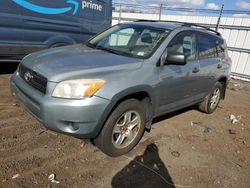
{"x": 110, "y": 88}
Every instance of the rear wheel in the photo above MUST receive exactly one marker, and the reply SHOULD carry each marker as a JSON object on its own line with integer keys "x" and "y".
{"x": 211, "y": 102}
{"x": 123, "y": 129}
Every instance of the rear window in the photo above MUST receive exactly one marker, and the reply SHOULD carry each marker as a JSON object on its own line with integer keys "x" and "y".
{"x": 220, "y": 48}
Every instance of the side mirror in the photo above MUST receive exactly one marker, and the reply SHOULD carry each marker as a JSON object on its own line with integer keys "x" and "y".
{"x": 175, "y": 59}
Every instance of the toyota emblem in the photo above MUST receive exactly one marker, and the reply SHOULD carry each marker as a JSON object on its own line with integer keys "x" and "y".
{"x": 28, "y": 76}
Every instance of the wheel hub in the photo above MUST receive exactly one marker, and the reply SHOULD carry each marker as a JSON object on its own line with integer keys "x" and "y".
{"x": 215, "y": 98}
{"x": 126, "y": 129}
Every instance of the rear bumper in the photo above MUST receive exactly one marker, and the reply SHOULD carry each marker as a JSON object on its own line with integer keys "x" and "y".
{"x": 79, "y": 118}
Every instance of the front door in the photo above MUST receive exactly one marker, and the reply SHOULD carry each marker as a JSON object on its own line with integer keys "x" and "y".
{"x": 178, "y": 82}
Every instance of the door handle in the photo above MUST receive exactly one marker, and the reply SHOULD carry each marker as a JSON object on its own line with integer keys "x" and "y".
{"x": 219, "y": 66}
{"x": 195, "y": 70}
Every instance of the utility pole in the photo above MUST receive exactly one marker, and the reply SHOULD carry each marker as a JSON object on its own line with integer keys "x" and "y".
{"x": 160, "y": 12}
{"x": 120, "y": 13}
{"x": 218, "y": 22}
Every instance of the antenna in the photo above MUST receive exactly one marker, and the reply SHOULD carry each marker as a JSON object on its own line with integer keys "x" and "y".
{"x": 218, "y": 22}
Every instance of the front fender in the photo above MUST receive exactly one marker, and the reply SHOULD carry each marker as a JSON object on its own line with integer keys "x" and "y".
{"x": 136, "y": 89}
{"x": 125, "y": 94}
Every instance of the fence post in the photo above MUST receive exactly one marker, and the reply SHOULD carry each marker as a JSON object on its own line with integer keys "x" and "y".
{"x": 120, "y": 13}
{"x": 160, "y": 12}
{"x": 218, "y": 22}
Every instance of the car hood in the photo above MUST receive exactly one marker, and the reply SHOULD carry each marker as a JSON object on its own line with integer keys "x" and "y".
{"x": 74, "y": 61}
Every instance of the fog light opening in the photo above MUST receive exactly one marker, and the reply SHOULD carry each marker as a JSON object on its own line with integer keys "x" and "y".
{"x": 75, "y": 126}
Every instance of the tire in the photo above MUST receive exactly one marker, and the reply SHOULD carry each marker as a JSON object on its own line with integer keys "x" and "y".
{"x": 210, "y": 103}
{"x": 123, "y": 128}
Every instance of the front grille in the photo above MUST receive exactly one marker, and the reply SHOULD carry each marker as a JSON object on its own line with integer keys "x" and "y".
{"x": 32, "y": 78}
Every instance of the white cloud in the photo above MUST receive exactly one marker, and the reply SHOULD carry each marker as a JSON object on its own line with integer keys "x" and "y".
{"x": 188, "y": 3}
{"x": 177, "y": 3}
{"x": 213, "y": 6}
{"x": 241, "y": 15}
{"x": 188, "y": 13}
{"x": 243, "y": 4}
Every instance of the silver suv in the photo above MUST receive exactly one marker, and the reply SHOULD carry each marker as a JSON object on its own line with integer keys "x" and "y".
{"x": 109, "y": 89}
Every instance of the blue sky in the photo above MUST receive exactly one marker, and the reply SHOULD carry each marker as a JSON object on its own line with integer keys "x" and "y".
{"x": 212, "y": 4}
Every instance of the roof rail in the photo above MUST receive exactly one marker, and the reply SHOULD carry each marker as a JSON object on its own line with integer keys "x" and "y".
{"x": 183, "y": 24}
{"x": 141, "y": 20}
{"x": 201, "y": 26}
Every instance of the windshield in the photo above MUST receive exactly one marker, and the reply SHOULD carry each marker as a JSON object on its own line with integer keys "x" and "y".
{"x": 129, "y": 40}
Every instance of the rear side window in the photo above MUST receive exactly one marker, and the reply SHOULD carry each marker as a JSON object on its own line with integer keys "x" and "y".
{"x": 220, "y": 48}
{"x": 206, "y": 46}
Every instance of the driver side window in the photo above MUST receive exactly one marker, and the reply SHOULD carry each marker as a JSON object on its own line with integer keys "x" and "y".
{"x": 184, "y": 43}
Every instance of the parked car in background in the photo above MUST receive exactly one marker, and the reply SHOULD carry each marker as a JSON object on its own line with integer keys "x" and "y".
{"x": 27, "y": 26}
{"x": 110, "y": 89}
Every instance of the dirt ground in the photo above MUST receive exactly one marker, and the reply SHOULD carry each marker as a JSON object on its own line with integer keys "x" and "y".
{"x": 184, "y": 149}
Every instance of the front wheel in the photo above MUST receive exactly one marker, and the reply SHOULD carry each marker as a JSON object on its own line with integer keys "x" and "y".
{"x": 123, "y": 129}
{"x": 211, "y": 102}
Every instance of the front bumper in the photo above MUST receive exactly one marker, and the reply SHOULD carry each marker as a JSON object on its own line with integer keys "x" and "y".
{"x": 79, "y": 118}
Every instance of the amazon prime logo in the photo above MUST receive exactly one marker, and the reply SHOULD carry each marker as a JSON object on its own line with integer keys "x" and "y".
{"x": 91, "y": 5}
{"x": 73, "y": 5}
{"x": 28, "y": 76}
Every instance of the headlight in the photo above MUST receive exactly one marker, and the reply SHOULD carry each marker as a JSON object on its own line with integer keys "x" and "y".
{"x": 77, "y": 89}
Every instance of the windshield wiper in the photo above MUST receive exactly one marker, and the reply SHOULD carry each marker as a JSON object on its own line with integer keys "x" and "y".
{"x": 109, "y": 50}
{"x": 102, "y": 48}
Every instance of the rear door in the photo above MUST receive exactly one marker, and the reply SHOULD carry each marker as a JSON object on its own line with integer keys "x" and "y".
{"x": 10, "y": 30}
{"x": 208, "y": 64}
{"x": 178, "y": 82}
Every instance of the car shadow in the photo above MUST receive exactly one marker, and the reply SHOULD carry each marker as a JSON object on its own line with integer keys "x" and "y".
{"x": 146, "y": 170}
{"x": 8, "y": 67}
